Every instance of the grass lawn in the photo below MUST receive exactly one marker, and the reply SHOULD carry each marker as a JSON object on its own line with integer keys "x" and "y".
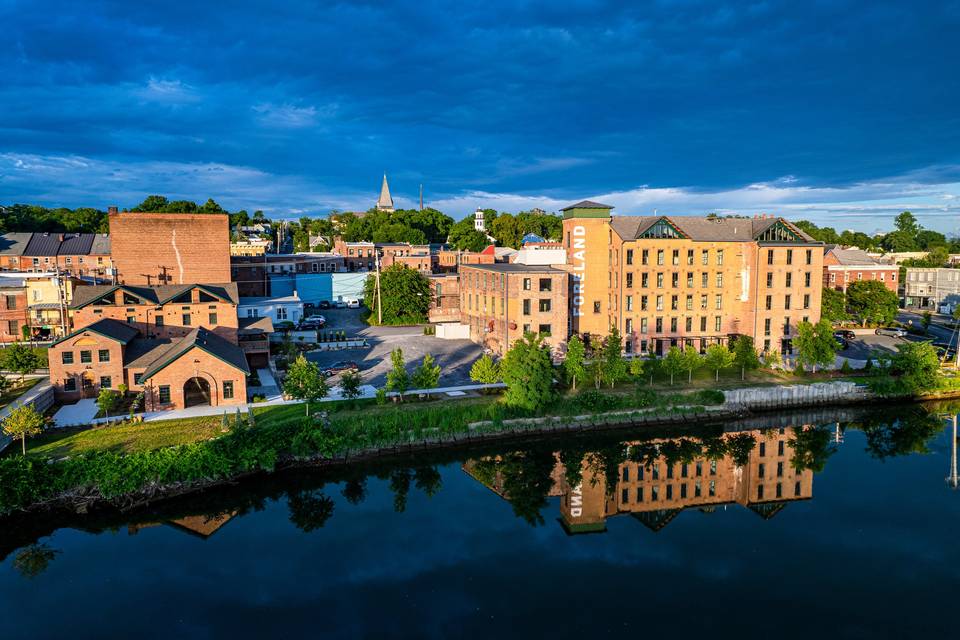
{"x": 126, "y": 438}
{"x": 17, "y": 390}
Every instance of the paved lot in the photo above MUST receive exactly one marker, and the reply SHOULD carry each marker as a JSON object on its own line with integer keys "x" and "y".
{"x": 455, "y": 357}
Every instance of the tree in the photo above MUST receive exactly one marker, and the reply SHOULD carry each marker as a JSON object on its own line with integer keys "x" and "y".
{"x": 573, "y": 362}
{"x": 637, "y": 369}
{"x": 925, "y": 321}
{"x": 107, "y": 401}
{"x": 907, "y": 223}
{"x": 815, "y": 344}
{"x": 5, "y": 384}
{"x": 745, "y": 355}
{"x": 23, "y": 422}
{"x": 397, "y": 378}
{"x": 719, "y": 357}
{"x": 528, "y": 372}
{"x": 305, "y": 382}
{"x": 309, "y": 510}
{"x": 464, "y": 237}
{"x": 20, "y": 358}
{"x": 918, "y": 366}
{"x": 614, "y": 366}
{"x": 350, "y": 383}
{"x": 833, "y": 305}
{"x": 691, "y": 361}
{"x": 485, "y": 370}
{"x": 871, "y": 301}
{"x": 406, "y": 295}
{"x": 427, "y": 375}
{"x": 673, "y": 363}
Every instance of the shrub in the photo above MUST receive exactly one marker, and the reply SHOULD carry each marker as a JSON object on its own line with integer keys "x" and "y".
{"x": 709, "y": 396}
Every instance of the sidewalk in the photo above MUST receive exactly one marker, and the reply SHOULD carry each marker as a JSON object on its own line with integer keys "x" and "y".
{"x": 31, "y": 394}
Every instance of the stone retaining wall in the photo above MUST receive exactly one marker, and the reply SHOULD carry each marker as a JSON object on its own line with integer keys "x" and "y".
{"x": 839, "y": 392}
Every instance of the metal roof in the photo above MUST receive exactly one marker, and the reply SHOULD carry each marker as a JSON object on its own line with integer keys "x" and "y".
{"x": 13, "y": 244}
{"x": 108, "y": 328}
{"x": 204, "y": 340}
{"x": 157, "y": 294}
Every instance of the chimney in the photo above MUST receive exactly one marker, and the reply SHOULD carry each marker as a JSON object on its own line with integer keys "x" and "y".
{"x": 60, "y": 237}
{"x": 112, "y": 209}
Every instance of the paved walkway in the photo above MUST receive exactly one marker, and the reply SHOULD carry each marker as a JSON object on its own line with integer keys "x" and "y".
{"x": 268, "y": 384}
{"x": 31, "y": 393}
{"x": 72, "y": 415}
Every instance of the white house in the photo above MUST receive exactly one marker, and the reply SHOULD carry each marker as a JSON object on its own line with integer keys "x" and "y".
{"x": 282, "y": 309}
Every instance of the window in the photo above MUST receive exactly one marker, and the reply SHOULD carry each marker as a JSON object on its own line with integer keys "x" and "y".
{"x": 769, "y": 256}
{"x": 526, "y": 284}
{"x": 66, "y": 357}
{"x": 659, "y": 256}
{"x": 643, "y": 303}
{"x": 690, "y": 280}
{"x": 769, "y": 303}
{"x": 131, "y": 319}
{"x": 86, "y": 357}
{"x": 780, "y": 448}
{"x": 703, "y": 323}
{"x": 689, "y": 303}
{"x": 809, "y": 256}
{"x": 596, "y": 306}
{"x": 544, "y": 329}
{"x": 704, "y": 279}
{"x": 628, "y": 328}
{"x": 659, "y": 303}
{"x": 227, "y": 389}
{"x": 703, "y": 301}
{"x": 629, "y": 303}
{"x": 659, "y": 280}
{"x": 779, "y": 469}
{"x": 105, "y": 382}
{"x": 158, "y": 321}
{"x": 786, "y": 301}
{"x": 719, "y": 302}
{"x": 769, "y": 280}
{"x": 673, "y": 325}
{"x": 786, "y": 326}
{"x": 719, "y": 257}
{"x": 186, "y": 319}
{"x": 643, "y": 325}
{"x": 760, "y": 492}
{"x": 689, "y": 256}
{"x": 13, "y": 327}
{"x": 644, "y": 280}
{"x": 789, "y": 256}
{"x": 659, "y": 325}
{"x": 675, "y": 280}
{"x": 281, "y": 314}
{"x": 789, "y": 279}
{"x": 644, "y": 256}
{"x": 163, "y": 394}
{"x": 763, "y": 449}
{"x": 689, "y": 324}
{"x": 629, "y": 281}
{"x": 676, "y": 257}
{"x": 544, "y": 306}
{"x": 673, "y": 303}
{"x": 138, "y": 378}
{"x": 806, "y": 301}
{"x": 717, "y": 323}
{"x": 103, "y": 355}
{"x": 11, "y": 302}
{"x": 766, "y": 329}
{"x": 705, "y": 257}
{"x": 719, "y": 279}
{"x": 629, "y": 256}
{"x": 545, "y": 284}
{"x": 213, "y": 318}
{"x": 526, "y": 307}
{"x": 806, "y": 279}
{"x": 70, "y": 384}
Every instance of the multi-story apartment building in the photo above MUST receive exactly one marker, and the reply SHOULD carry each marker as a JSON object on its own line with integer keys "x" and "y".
{"x": 13, "y": 309}
{"x": 932, "y": 288}
{"x": 844, "y": 266}
{"x": 81, "y": 255}
{"x": 677, "y": 280}
{"x": 502, "y": 302}
{"x": 445, "y": 303}
{"x": 448, "y": 260}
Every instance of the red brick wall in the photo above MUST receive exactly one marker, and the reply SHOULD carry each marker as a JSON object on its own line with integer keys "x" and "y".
{"x": 17, "y": 314}
{"x": 213, "y": 370}
{"x": 170, "y": 248}
{"x": 87, "y": 341}
{"x": 173, "y": 327}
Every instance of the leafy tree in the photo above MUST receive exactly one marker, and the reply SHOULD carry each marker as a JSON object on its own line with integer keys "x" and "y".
{"x": 772, "y": 359}
{"x": 527, "y": 480}
{"x": 528, "y": 373}
{"x": 871, "y": 301}
{"x": 573, "y": 363}
{"x": 350, "y": 383}
{"x": 815, "y": 344}
{"x": 897, "y": 241}
{"x": 745, "y": 355}
{"x": 691, "y": 362}
{"x": 20, "y": 358}
{"x": 719, "y": 357}
{"x": 397, "y": 378}
{"x": 739, "y": 446}
{"x": 925, "y": 321}
{"x": 305, "y": 382}
{"x": 918, "y": 366}
{"x": 33, "y": 560}
{"x": 908, "y": 434}
{"x": 428, "y": 480}
{"x": 485, "y": 370}
{"x": 673, "y": 363}
{"x": 23, "y": 422}
{"x": 406, "y": 295}
{"x": 907, "y": 223}
{"x": 427, "y": 375}
{"x": 464, "y": 237}
{"x": 107, "y": 401}
{"x": 355, "y": 490}
{"x": 614, "y": 366}
{"x": 637, "y": 368}
{"x": 833, "y": 305}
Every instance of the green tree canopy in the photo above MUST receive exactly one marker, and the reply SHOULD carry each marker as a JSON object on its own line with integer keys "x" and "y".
{"x": 406, "y": 295}
{"x": 573, "y": 363}
{"x": 427, "y": 374}
{"x": 833, "y": 305}
{"x": 673, "y": 363}
{"x": 485, "y": 370}
{"x": 20, "y": 358}
{"x": 528, "y": 373}
{"x": 719, "y": 357}
{"x": 614, "y": 366}
{"x": 398, "y": 379}
{"x": 745, "y": 355}
{"x": 815, "y": 344}
{"x": 23, "y": 422}
{"x": 918, "y": 366}
{"x": 305, "y": 382}
{"x": 871, "y": 301}
{"x": 692, "y": 360}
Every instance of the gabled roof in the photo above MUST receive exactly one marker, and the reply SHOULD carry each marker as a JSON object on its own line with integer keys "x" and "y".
{"x": 587, "y": 204}
{"x": 204, "y": 340}
{"x": 158, "y": 294}
{"x": 14, "y": 244}
{"x": 703, "y": 229}
{"x": 108, "y": 328}
{"x": 100, "y": 245}
{"x": 75, "y": 244}
{"x": 851, "y": 257}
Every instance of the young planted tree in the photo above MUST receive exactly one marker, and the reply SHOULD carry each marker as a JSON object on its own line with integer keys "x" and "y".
{"x": 107, "y": 401}
{"x": 637, "y": 368}
{"x": 614, "y": 367}
{"x": 20, "y": 358}
{"x": 397, "y": 378}
{"x": 23, "y": 422}
{"x": 925, "y": 322}
{"x": 745, "y": 355}
{"x": 691, "y": 362}
{"x": 350, "y": 383}
{"x": 815, "y": 344}
{"x": 673, "y": 363}
{"x": 573, "y": 364}
{"x": 427, "y": 375}
{"x": 528, "y": 372}
{"x": 719, "y": 357}
{"x": 485, "y": 371}
{"x": 305, "y": 382}
{"x": 918, "y": 366}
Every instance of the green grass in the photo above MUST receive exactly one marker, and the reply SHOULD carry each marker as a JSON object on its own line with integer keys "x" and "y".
{"x": 123, "y": 438}
{"x": 17, "y": 390}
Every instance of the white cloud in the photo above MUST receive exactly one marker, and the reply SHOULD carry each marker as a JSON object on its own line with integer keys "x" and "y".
{"x": 288, "y": 116}
{"x": 167, "y": 91}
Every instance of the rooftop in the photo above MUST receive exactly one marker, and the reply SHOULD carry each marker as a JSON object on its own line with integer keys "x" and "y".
{"x": 587, "y": 204}
{"x": 704, "y": 229}
{"x": 157, "y": 294}
{"x": 512, "y": 267}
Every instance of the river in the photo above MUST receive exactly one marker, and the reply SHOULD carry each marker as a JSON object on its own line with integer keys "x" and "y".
{"x": 841, "y": 523}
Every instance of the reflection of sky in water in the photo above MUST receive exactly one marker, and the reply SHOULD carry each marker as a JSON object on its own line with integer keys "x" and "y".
{"x": 461, "y": 563}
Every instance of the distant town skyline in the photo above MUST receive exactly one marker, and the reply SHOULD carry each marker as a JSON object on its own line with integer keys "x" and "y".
{"x": 843, "y": 114}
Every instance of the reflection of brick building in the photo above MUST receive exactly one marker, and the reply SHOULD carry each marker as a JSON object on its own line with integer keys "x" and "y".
{"x": 170, "y": 248}
{"x": 502, "y": 302}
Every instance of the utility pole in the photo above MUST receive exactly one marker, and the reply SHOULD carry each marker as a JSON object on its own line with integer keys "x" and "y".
{"x": 421, "y": 196}
{"x": 60, "y": 299}
{"x": 379, "y": 294}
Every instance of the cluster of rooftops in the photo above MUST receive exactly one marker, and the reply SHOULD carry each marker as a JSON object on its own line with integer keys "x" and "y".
{"x": 54, "y": 244}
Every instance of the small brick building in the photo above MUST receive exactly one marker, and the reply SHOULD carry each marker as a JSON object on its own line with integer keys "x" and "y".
{"x": 841, "y": 267}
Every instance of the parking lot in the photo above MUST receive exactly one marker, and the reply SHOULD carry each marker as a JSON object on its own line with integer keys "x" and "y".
{"x": 455, "y": 357}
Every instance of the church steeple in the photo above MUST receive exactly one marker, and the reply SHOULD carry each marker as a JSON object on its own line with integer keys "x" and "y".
{"x": 385, "y": 203}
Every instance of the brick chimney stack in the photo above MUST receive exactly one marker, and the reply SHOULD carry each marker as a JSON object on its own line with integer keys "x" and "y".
{"x": 112, "y": 209}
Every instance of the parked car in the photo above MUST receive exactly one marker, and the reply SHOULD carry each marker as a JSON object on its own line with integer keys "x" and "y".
{"x": 896, "y": 332}
{"x": 846, "y": 334}
{"x": 353, "y": 303}
{"x": 324, "y": 304}
{"x": 340, "y": 367}
{"x": 313, "y": 322}
{"x": 339, "y": 304}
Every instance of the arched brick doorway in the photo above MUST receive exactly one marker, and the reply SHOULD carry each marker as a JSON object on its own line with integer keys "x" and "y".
{"x": 196, "y": 392}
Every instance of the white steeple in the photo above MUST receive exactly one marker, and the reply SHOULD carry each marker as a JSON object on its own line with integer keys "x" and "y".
{"x": 478, "y": 222}
{"x": 385, "y": 202}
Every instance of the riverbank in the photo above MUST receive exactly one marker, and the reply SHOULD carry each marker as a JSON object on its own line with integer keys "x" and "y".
{"x": 264, "y": 444}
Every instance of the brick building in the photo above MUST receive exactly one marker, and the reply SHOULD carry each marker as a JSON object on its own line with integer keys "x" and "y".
{"x": 13, "y": 309}
{"x": 445, "y": 304}
{"x": 448, "y": 260}
{"x": 502, "y": 302}
{"x": 170, "y": 248}
{"x": 81, "y": 255}
{"x": 843, "y": 266}
{"x": 253, "y": 274}
{"x": 665, "y": 281}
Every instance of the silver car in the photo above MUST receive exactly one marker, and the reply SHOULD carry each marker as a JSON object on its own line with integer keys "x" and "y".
{"x": 896, "y": 332}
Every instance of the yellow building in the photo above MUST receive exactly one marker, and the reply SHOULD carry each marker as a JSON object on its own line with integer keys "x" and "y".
{"x": 249, "y": 248}
{"x": 680, "y": 280}
{"x": 47, "y": 303}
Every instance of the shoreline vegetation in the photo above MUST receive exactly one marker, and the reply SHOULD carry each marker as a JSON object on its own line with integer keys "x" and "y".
{"x": 109, "y": 468}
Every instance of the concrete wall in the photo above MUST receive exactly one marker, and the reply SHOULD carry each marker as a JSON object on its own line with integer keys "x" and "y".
{"x": 798, "y": 395}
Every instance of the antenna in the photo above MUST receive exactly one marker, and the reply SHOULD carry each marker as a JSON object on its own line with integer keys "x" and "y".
{"x": 421, "y": 196}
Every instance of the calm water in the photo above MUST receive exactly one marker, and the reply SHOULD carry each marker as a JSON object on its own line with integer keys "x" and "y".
{"x": 856, "y": 538}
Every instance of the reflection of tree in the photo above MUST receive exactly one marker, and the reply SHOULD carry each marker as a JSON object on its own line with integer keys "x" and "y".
{"x": 910, "y": 434}
{"x": 714, "y": 447}
{"x": 682, "y": 450}
{"x": 33, "y": 560}
{"x": 427, "y": 479}
{"x": 811, "y": 448}
{"x": 739, "y": 447}
{"x": 400, "y": 485}
{"x": 527, "y": 481}
{"x": 355, "y": 490}
{"x": 572, "y": 460}
{"x": 309, "y": 510}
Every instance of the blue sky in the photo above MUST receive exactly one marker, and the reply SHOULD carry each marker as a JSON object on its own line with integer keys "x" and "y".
{"x": 839, "y": 112}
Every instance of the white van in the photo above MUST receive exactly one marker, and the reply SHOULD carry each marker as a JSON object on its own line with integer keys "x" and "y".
{"x": 353, "y": 303}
